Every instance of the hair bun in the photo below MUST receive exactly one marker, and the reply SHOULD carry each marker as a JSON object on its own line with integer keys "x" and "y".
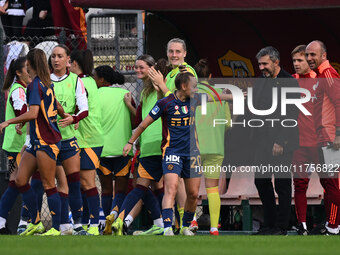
{"x": 182, "y": 69}
{"x": 203, "y": 62}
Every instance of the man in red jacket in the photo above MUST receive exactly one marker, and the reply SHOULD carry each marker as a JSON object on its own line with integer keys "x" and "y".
{"x": 327, "y": 123}
{"x": 308, "y": 150}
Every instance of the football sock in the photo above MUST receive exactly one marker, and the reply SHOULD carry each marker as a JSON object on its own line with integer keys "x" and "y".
{"x": 38, "y": 188}
{"x": 64, "y": 210}
{"x": 74, "y": 197}
{"x": 30, "y": 201}
{"x": 8, "y": 199}
{"x": 86, "y": 213}
{"x": 54, "y": 204}
{"x": 93, "y": 204}
{"x": 106, "y": 203}
{"x": 131, "y": 200}
{"x": 151, "y": 204}
{"x": 181, "y": 213}
{"x": 187, "y": 218}
{"x": 214, "y": 202}
{"x": 167, "y": 214}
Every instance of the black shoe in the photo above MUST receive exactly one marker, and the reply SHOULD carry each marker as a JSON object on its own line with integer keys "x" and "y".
{"x": 301, "y": 230}
{"x": 319, "y": 230}
{"x": 5, "y": 231}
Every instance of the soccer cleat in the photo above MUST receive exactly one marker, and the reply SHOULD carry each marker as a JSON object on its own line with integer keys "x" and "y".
{"x": 319, "y": 229}
{"x": 80, "y": 232}
{"x": 21, "y": 229}
{"x": 34, "y": 229}
{"x": 86, "y": 227}
{"x": 193, "y": 226}
{"x": 301, "y": 230}
{"x": 108, "y": 224}
{"x": 52, "y": 232}
{"x": 214, "y": 233}
{"x": 93, "y": 231}
{"x": 154, "y": 230}
{"x": 168, "y": 232}
{"x": 185, "y": 231}
{"x": 117, "y": 227}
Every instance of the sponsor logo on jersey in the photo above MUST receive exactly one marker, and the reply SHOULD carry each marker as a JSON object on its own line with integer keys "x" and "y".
{"x": 184, "y": 109}
{"x": 172, "y": 159}
{"x": 155, "y": 110}
{"x": 177, "y": 112}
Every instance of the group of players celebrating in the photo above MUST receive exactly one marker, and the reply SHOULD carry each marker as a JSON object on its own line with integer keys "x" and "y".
{"x": 79, "y": 123}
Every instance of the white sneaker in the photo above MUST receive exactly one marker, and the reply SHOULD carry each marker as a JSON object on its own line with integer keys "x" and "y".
{"x": 168, "y": 232}
{"x": 66, "y": 229}
{"x": 185, "y": 231}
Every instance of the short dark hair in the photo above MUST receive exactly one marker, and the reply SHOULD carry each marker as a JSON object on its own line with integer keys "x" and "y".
{"x": 109, "y": 75}
{"x": 299, "y": 49}
{"x": 273, "y": 53}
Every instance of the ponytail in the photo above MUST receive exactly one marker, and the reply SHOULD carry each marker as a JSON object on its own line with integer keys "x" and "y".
{"x": 38, "y": 61}
{"x": 84, "y": 58}
{"x": 16, "y": 65}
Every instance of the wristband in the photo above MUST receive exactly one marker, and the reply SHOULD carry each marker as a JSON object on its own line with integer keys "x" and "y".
{"x": 337, "y": 133}
{"x": 167, "y": 93}
{"x": 130, "y": 143}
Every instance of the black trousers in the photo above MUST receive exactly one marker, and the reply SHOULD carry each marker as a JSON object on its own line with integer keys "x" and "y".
{"x": 12, "y": 25}
{"x": 274, "y": 216}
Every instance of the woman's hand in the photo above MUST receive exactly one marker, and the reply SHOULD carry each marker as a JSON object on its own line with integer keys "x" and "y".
{"x": 127, "y": 149}
{"x": 128, "y": 99}
{"x": 66, "y": 121}
{"x": 42, "y": 15}
{"x": 18, "y": 128}
{"x": 156, "y": 78}
{"x": 3, "y": 125}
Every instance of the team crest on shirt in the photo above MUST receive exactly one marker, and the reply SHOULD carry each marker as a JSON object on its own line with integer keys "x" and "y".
{"x": 177, "y": 112}
{"x": 170, "y": 167}
{"x": 185, "y": 109}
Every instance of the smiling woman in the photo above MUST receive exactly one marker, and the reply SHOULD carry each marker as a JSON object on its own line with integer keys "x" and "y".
{"x": 176, "y": 52}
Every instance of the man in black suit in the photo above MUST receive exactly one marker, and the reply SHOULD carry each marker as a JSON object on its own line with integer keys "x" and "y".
{"x": 274, "y": 143}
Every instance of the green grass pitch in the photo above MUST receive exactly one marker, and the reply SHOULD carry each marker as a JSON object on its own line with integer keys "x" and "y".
{"x": 181, "y": 245}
